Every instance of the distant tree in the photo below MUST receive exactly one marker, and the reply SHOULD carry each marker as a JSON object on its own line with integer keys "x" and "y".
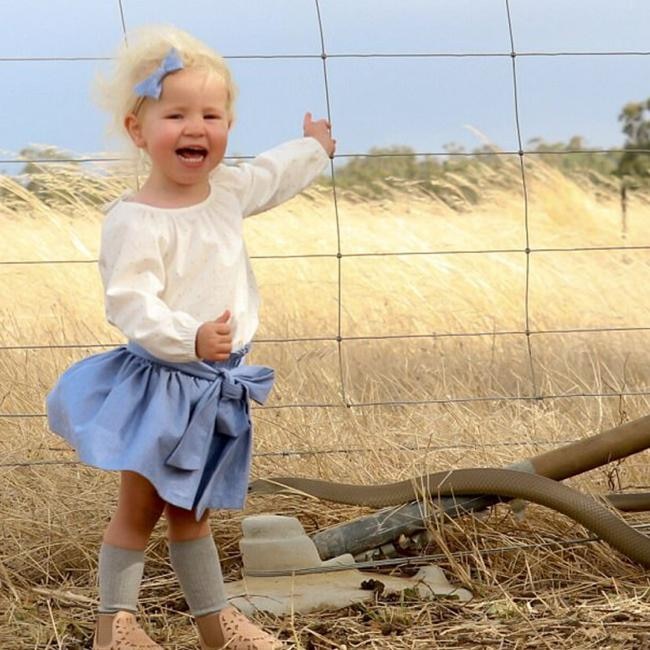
{"x": 460, "y": 176}
{"x": 58, "y": 180}
{"x": 36, "y": 167}
{"x": 634, "y": 165}
{"x": 32, "y": 173}
{"x": 574, "y": 158}
{"x": 371, "y": 175}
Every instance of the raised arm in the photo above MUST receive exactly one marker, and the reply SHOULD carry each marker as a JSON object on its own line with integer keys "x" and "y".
{"x": 282, "y": 172}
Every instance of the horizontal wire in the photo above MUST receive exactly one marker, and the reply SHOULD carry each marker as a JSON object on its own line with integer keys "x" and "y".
{"x": 351, "y": 55}
{"x": 499, "y": 152}
{"x": 368, "y": 337}
{"x": 511, "y": 54}
{"x": 440, "y": 335}
{"x": 468, "y": 251}
{"x": 63, "y": 59}
{"x": 587, "y": 53}
{"x": 326, "y": 452}
{"x": 410, "y": 402}
{"x": 78, "y": 159}
{"x": 353, "y": 254}
{"x": 17, "y": 59}
{"x": 54, "y": 161}
{"x": 387, "y": 154}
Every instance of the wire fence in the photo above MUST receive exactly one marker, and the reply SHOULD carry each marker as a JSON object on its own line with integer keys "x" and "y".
{"x": 340, "y": 338}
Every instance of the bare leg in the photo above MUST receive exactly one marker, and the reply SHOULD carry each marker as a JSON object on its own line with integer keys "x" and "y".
{"x": 182, "y": 525}
{"x": 138, "y": 509}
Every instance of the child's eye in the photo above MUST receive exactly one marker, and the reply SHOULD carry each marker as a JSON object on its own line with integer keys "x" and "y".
{"x": 174, "y": 116}
{"x": 213, "y": 116}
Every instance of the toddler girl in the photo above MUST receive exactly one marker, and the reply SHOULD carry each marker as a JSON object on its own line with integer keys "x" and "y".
{"x": 170, "y": 409}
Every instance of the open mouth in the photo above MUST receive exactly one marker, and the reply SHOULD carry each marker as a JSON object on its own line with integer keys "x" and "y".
{"x": 192, "y": 154}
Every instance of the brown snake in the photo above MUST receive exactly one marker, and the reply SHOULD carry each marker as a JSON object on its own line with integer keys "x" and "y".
{"x": 586, "y": 510}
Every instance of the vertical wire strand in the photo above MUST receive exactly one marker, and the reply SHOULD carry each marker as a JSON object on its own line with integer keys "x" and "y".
{"x": 121, "y": 7}
{"x": 339, "y": 256}
{"x": 136, "y": 173}
{"x": 339, "y": 339}
{"x": 524, "y": 185}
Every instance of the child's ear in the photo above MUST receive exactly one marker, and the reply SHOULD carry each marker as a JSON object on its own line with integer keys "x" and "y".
{"x": 134, "y": 129}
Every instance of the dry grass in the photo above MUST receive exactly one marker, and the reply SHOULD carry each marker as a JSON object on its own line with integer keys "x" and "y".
{"x": 579, "y": 596}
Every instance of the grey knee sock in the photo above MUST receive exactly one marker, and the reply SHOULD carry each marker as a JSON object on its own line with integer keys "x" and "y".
{"x": 197, "y": 567}
{"x": 120, "y": 574}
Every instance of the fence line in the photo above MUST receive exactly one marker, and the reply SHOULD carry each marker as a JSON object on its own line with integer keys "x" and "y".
{"x": 357, "y": 55}
{"x": 367, "y": 337}
{"x": 388, "y": 154}
{"x": 326, "y": 452}
{"x": 305, "y": 256}
{"x": 412, "y": 402}
{"x": 535, "y": 394}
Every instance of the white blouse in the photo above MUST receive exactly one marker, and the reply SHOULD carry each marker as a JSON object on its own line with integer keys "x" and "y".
{"x": 168, "y": 270}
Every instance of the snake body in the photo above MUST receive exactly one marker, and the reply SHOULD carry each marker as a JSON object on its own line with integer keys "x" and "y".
{"x": 585, "y": 510}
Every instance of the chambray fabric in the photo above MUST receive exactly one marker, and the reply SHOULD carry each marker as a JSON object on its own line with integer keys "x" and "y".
{"x": 152, "y": 85}
{"x": 186, "y": 427}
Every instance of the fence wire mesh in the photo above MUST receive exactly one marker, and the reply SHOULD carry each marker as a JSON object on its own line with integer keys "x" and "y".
{"x": 340, "y": 338}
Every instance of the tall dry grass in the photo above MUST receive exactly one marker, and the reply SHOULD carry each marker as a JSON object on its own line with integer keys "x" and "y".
{"x": 52, "y": 511}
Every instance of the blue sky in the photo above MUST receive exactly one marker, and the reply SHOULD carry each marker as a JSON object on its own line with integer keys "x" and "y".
{"x": 421, "y": 102}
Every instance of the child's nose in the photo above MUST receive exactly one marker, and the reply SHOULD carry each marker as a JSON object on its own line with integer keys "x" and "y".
{"x": 194, "y": 125}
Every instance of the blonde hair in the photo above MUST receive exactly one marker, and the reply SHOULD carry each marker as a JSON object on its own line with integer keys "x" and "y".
{"x": 137, "y": 59}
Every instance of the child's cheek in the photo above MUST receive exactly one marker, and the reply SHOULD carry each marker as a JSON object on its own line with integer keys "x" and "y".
{"x": 170, "y": 135}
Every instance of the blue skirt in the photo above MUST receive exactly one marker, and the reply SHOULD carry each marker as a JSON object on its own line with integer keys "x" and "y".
{"x": 186, "y": 427}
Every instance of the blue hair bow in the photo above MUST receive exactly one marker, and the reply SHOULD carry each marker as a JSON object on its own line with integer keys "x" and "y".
{"x": 152, "y": 85}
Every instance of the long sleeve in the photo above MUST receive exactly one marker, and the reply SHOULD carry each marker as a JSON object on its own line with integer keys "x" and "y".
{"x": 277, "y": 175}
{"x": 131, "y": 267}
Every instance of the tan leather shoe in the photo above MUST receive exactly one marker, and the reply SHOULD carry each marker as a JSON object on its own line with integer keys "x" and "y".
{"x": 121, "y": 631}
{"x": 229, "y": 629}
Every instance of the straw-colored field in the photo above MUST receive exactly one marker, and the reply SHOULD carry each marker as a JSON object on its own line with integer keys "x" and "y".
{"x": 52, "y": 511}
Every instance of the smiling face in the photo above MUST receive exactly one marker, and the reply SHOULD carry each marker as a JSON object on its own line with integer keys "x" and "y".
{"x": 185, "y": 132}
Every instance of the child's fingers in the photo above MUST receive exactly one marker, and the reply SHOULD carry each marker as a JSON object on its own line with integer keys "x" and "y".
{"x": 214, "y": 349}
{"x": 223, "y": 329}
{"x": 306, "y": 121}
{"x": 221, "y": 352}
{"x": 224, "y": 317}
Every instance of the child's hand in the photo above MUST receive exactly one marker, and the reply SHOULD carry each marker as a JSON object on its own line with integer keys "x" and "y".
{"x": 321, "y": 130}
{"x": 214, "y": 340}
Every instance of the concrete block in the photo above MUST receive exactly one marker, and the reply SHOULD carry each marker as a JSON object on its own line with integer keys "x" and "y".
{"x": 273, "y": 543}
